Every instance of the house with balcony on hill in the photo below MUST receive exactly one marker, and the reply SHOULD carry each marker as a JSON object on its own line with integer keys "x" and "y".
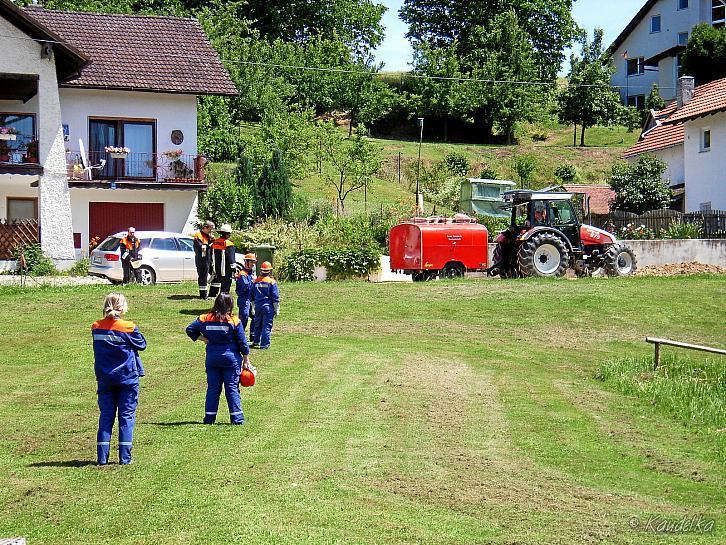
{"x": 98, "y": 125}
{"x": 648, "y": 49}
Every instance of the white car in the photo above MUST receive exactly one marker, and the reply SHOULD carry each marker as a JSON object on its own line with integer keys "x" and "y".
{"x": 165, "y": 257}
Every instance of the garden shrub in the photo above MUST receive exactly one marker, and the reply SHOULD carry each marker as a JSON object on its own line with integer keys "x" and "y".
{"x": 37, "y": 263}
{"x": 489, "y": 173}
{"x": 457, "y": 163}
{"x": 524, "y": 165}
{"x": 340, "y": 263}
{"x": 636, "y": 232}
{"x": 80, "y": 268}
{"x": 493, "y": 224}
{"x": 639, "y": 187}
{"x": 566, "y": 173}
{"x": 681, "y": 230}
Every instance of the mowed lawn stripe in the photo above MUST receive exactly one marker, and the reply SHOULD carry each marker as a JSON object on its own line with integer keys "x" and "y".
{"x": 462, "y": 412}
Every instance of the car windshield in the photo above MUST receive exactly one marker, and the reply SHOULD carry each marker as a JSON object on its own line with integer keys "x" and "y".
{"x": 110, "y": 244}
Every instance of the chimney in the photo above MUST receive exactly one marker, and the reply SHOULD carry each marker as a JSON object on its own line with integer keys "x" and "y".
{"x": 684, "y": 90}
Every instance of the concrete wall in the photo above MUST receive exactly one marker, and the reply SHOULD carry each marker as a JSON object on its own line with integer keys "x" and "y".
{"x": 23, "y": 57}
{"x": 171, "y": 112}
{"x": 706, "y": 170}
{"x": 180, "y": 207}
{"x": 641, "y": 43}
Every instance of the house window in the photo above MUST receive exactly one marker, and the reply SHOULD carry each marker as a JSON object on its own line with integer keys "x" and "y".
{"x": 22, "y": 208}
{"x": 23, "y": 148}
{"x": 137, "y": 135}
{"x": 683, "y": 38}
{"x": 718, "y": 12}
{"x": 682, "y": 4}
{"x": 636, "y": 66}
{"x": 706, "y": 140}
{"x": 679, "y": 65}
{"x": 637, "y": 101}
{"x": 655, "y": 24}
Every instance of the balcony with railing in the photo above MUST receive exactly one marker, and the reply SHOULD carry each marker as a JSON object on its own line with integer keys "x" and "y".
{"x": 18, "y": 144}
{"x": 105, "y": 169}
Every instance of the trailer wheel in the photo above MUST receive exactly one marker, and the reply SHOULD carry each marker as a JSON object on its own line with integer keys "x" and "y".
{"x": 544, "y": 254}
{"x": 453, "y": 270}
{"x": 619, "y": 260}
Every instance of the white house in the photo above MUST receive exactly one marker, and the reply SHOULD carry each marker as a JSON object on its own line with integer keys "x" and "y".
{"x": 647, "y": 50}
{"x": 689, "y": 135}
{"x": 77, "y": 83}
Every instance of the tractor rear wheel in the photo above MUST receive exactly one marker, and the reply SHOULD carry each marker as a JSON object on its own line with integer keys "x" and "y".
{"x": 619, "y": 260}
{"x": 504, "y": 269}
{"x": 544, "y": 254}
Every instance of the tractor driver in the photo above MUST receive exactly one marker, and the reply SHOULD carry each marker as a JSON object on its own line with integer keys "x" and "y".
{"x": 540, "y": 214}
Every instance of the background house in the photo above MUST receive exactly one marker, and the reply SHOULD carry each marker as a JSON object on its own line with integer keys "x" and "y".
{"x": 137, "y": 89}
{"x": 647, "y": 50}
{"x": 689, "y": 135}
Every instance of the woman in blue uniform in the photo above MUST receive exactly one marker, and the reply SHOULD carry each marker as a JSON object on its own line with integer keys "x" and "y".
{"x": 266, "y": 303}
{"x": 227, "y": 351}
{"x": 116, "y": 346}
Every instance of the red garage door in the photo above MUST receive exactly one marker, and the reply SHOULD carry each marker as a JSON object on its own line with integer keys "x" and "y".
{"x": 107, "y": 218}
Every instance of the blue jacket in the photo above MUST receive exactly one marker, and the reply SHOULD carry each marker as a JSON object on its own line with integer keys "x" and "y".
{"x": 244, "y": 289}
{"x": 265, "y": 291}
{"x": 116, "y": 344}
{"x": 227, "y": 342}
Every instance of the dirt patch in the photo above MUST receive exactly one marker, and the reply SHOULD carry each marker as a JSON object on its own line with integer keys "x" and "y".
{"x": 677, "y": 269}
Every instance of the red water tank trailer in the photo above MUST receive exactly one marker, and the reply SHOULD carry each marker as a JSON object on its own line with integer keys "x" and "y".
{"x": 431, "y": 247}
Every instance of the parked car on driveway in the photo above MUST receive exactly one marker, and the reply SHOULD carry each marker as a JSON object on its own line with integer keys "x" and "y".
{"x": 165, "y": 257}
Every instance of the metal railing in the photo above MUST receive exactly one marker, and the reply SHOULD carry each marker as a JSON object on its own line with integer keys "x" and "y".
{"x": 22, "y": 150}
{"x": 154, "y": 167}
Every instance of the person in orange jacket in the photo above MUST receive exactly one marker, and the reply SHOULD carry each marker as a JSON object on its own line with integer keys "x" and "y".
{"x": 266, "y": 303}
{"x": 129, "y": 246}
{"x": 203, "y": 240}
{"x": 223, "y": 261}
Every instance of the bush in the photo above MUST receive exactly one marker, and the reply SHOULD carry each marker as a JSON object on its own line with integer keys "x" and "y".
{"x": 524, "y": 165}
{"x": 681, "y": 230}
{"x": 636, "y": 232}
{"x": 36, "y": 262}
{"x": 340, "y": 263}
{"x": 539, "y": 136}
{"x": 493, "y": 224}
{"x": 80, "y": 268}
{"x": 226, "y": 201}
{"x": 489, "y": 173}
{"x": 639, "y": 187}
{"x": 448, "y": 194}
{"x": 457, "y": 163}
{"x": 566, "y": 173}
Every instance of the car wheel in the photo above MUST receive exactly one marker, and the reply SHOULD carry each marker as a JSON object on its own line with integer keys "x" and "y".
{"x": 147, "y": 277}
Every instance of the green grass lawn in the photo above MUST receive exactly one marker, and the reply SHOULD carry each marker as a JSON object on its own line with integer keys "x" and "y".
{"x": 437, "y": 413}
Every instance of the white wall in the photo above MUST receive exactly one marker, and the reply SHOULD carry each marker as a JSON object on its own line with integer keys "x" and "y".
{"x": 171, "y": 112}
{"x": 673, "y": 157}
{"x": 180, "y": 207}
{"x": 641, "y": 43}
{"x": 15, "y": 185}
{"x": 706, "y": 171}
{"x": 22, "y": 56}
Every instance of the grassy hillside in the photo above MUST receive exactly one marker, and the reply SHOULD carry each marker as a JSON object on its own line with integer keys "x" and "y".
{"x": 438, "y": 413}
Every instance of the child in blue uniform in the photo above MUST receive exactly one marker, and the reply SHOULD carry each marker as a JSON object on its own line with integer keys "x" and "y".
{"x": 244, "y": 282}
{"x": 116, "y": 346}
{"x": 227, "y": 350}
{"x": 266, "y": 303}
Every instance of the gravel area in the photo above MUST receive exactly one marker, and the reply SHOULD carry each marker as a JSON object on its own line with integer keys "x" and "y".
{"x": 679, "y": 268}
{"x": 34, "y": 281}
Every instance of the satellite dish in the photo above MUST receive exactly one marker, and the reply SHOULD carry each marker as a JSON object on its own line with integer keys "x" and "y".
{"x": 84, "y": 157}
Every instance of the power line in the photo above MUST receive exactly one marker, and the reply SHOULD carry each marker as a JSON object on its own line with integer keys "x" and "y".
{"x": 411, "y": 75}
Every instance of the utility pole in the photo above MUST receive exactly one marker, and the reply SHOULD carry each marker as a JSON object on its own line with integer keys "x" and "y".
{"x": 419, "y": 199}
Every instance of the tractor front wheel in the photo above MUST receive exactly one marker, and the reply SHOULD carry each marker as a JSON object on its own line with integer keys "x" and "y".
{"x": 544, "y": 254}
{"x": 619, "y": 260}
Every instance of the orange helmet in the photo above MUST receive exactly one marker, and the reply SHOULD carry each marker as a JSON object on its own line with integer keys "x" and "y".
{"x": 250, "y": 257}
{"x": 247, "y": 378}
{"x": 266, "y": 266}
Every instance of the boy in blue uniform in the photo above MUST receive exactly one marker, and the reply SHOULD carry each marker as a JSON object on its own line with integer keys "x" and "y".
{"x": 266, "y": 303}
{"x": 227, "y": 350}
{"x": 116, "y": 346}
{"x": 244, "y": 283}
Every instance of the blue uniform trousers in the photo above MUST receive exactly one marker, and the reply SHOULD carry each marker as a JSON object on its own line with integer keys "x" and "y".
{"x": 229, "y": 377}
{"x": 113, "y": 399}
{"x": 262, "y": 326}
{"x": 244, "y": 316}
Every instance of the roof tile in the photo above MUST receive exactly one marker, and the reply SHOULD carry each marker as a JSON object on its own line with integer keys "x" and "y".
{"x": 139, "y": 52}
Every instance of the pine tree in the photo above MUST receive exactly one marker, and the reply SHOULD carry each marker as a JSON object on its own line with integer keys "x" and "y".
{"x": 273, "y": 193}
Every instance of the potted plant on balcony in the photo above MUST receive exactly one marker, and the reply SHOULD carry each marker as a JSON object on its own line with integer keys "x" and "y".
{"x": 8, "y": 133}
{"x": 177, "y": 165}
{"x": 31, "y": 152}
{"x": 117, "y": 152}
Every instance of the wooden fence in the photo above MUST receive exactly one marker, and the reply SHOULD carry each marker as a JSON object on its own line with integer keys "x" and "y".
{"x": 17, "y": 233}
{"x": 712, "y": 223}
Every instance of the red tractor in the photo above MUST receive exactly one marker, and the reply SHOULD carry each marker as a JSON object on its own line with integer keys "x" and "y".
{"x": 545, "y": 238}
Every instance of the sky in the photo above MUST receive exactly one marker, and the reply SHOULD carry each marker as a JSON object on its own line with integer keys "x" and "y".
{"x": 610, "y": 15}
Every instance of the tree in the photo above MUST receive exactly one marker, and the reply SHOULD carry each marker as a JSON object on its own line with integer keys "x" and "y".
{"x": 226, "y": 201}
{"x": 705, "y": 54}
{"x": 639, "y": 187}
{"x": 654, "y": 101}
{"x": 353, "y": 161}
{"x": 273, "y": 192}
{"x": 588, "y": 99}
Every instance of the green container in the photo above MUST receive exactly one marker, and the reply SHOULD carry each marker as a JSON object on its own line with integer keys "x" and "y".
{"x": 264, "y": 252}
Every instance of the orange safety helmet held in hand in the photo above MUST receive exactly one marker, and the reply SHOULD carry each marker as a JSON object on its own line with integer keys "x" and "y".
{"x": 266, "y": 266}
{"x": 247, "y": 378}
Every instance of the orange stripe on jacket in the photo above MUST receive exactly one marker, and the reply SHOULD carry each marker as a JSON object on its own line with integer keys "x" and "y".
{"x": 210, "y": 318}
{"x": 113, "y": 324}
{"x": 266, "y": 279}
{"x": 222, "y": 244}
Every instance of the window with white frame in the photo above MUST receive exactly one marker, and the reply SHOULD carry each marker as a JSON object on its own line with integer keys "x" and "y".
{"x": 718, "y": 13}
{"x": 636, "y": 66}
{"x": 706, "y": 139}
{"x": 637, "y": 101}
{"x": 682, "y": 4}
{"x": 683, "y": 38}
{"x": 655, "y": 24}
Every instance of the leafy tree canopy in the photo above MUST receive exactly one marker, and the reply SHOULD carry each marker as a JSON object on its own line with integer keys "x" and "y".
{"x": 639, "y": 187}
{"x": 705, "y": 54}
